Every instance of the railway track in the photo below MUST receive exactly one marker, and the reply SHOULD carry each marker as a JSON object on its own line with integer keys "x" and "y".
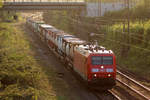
{"x": 133, "y": 87}
{"x": 107, "y": 95}
{"x": 115, "y": 95}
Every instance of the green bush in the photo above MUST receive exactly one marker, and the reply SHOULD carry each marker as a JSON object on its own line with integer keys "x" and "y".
{"x": 1, "y": 4}
{"x": 131, "y": 43}
{"x": 19, "y": 74}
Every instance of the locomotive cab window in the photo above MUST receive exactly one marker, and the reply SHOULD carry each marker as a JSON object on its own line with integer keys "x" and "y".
{"x": 96, "y": 60}
{"x": 102, "y": 60}
{"x": 107, "y": 60}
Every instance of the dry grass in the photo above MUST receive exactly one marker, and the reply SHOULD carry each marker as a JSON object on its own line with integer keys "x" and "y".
{"x": 20, "y": 75}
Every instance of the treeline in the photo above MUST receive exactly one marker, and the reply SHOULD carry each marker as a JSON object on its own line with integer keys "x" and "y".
{"x": 8, "y": 16}
{"x": 132, "y": 49}
{"x": 139, "y": 32}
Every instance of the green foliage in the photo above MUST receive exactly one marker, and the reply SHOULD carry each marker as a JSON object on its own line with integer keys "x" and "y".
{"x": 19, "y": 72}
{"x": 136, "y": 58}
{"x": 1, "y": 4}
{"x": 135, "y": 28}
{"x": 147, "y": 26}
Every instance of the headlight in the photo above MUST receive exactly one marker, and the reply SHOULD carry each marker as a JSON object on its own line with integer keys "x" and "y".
{"x": 95, "y": 70}
{"x": 109, "y": 70}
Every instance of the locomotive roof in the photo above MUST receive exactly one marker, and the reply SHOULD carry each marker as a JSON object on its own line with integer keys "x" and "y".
{"x": 91, "y": 49}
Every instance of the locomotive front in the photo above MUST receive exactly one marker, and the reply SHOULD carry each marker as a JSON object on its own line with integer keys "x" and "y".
{"x": 102, "y": 69}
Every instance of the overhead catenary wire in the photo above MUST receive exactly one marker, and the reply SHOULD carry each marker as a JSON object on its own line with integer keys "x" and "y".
{"x": 77, "y": 21}
{"x": 127, "y": 44}
{"x": 111, "y": 40}
{"x": 119, "y": 42}
{"x": 115, "y": 31}
{"x": 95, "y": 25}
{"x": 123, "y": 43}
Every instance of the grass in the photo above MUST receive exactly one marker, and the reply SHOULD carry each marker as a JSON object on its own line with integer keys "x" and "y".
{"x": 1, "y": 4}
{"x": 20, "y": 73}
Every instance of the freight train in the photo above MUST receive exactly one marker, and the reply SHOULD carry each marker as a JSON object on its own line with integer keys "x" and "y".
{"x": 95, "y": 65}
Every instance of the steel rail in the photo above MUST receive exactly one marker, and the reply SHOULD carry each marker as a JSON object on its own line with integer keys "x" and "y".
{"x": 101, "y": 97}
{"x": 137, "y": 91}
{"x": 144, "y": 87}
{"x": 115, "y": 95}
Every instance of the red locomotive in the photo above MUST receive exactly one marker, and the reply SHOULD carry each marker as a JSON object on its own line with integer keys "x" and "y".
{"x": 94, "y": 64}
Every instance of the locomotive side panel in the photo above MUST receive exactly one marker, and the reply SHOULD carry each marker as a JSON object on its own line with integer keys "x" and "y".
{"x": 80, "y": 65}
